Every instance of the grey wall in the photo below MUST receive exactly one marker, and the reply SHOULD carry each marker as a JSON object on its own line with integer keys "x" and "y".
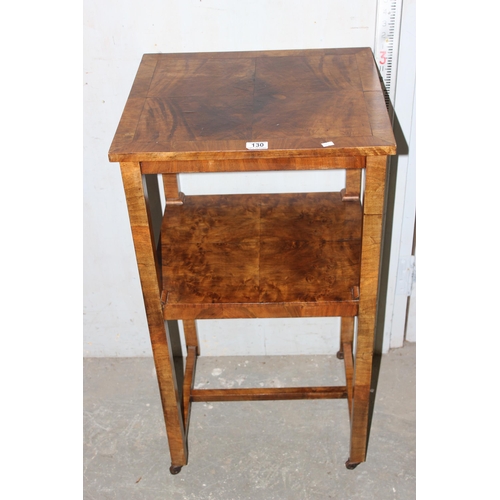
{"x": 116, "y": 34}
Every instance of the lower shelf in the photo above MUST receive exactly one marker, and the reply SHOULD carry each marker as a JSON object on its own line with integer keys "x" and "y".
{"x": 261, "y": 255}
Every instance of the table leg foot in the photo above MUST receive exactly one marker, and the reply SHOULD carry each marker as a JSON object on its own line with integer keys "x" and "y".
{"x": 340, "y": 355}
{"x": 175, "y": 469}
{"x": 351, "y": 465}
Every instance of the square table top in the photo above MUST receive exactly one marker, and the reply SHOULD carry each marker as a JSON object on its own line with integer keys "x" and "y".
{"x": 209, "y": 106}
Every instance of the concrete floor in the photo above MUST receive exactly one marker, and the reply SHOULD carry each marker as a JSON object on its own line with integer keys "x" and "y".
{"x": 269, "y": 450}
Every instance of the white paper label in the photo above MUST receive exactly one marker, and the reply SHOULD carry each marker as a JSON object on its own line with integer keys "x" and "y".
{"x": 257, "y": 145}
{"x": 326, "y": 144}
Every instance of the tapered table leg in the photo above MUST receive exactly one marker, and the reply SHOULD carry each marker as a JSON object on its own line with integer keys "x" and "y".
{"x": 150, "y": 276}
{"x": 373, "y": 208}
{"x": 346, "y": 334}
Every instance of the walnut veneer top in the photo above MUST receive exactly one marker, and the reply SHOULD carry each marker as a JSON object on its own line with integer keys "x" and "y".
{"x": 207, "y": 106}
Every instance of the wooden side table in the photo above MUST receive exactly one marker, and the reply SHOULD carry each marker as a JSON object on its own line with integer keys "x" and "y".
{"x": 261, "y": 255}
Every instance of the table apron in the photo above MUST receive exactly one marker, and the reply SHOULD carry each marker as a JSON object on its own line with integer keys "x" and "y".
{"x": 253, "y": 165}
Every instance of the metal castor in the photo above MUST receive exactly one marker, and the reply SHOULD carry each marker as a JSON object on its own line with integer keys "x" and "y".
{"x": 340, "y": 355}
{"x": 351, "y": 465}
{"x": 175, "y": 469}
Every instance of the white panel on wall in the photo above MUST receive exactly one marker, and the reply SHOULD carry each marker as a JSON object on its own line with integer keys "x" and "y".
{"x": 403, "y": 224}
{"x": 116, "y": 35}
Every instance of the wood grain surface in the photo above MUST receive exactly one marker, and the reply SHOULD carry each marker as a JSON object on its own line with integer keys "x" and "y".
{"x": 239, "y": 255}
{"x": 209, "y": 105}
{"x": 261, "y": 255}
